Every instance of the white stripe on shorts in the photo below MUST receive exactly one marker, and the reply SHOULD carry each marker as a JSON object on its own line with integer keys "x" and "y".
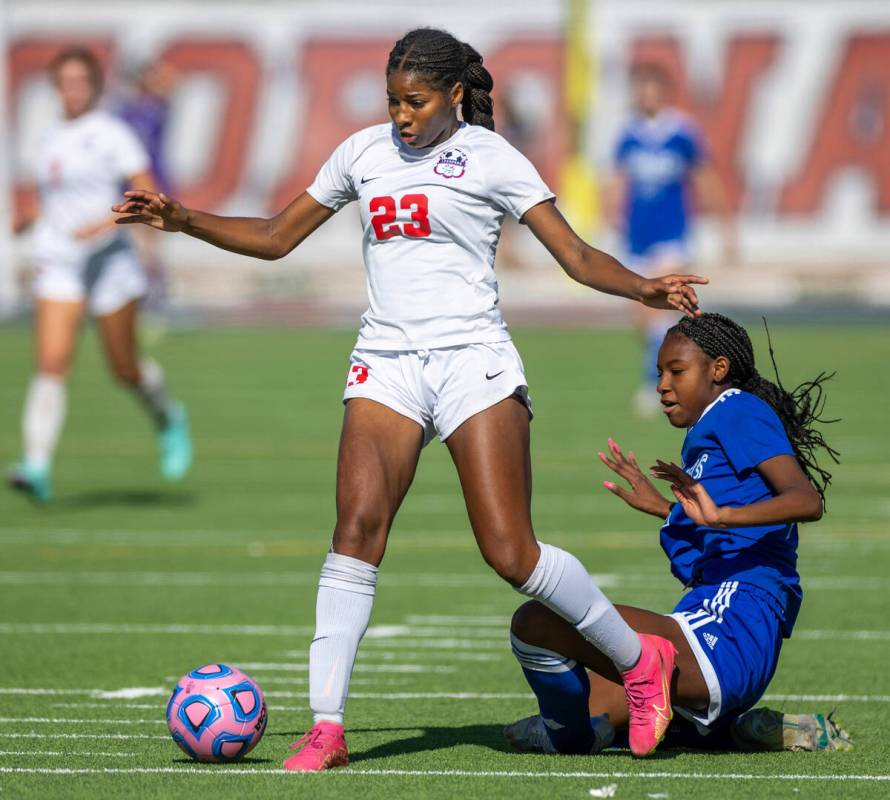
{"x": 712, "y": 609}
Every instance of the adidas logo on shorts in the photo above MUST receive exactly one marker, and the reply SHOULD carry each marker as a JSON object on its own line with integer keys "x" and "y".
{"x": 710, "y": 640}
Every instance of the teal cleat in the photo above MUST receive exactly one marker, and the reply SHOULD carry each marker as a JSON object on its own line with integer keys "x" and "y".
{"x": 36, "y": 483}
{"x": 175, "y": 443}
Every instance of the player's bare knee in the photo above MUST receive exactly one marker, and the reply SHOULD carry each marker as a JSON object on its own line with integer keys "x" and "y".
{"x": 361, "y": 536}
{"x": 528, "y": 620}
{"x": 125, "y": 374}
{"x": 510, "y": 566}
{"x": 53, "y": 365}
{"x": 514, "y": 563}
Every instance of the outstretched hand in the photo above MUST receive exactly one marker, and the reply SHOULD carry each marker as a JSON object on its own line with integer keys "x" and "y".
{"x": 153, "y": 209}
{"x": 673, "y": 291}
{"x": 690, "y": 493}
{"x": 642, "y": 494}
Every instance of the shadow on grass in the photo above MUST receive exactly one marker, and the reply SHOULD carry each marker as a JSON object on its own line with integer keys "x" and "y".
{"x": 223, "y": 765}
{"x": 444, "y": 737}
{"x": 124, "y": 498}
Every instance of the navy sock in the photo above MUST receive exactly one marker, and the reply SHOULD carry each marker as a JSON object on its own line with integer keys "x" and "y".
{"x": 562, "y": 699}
{"x": 562, "y": 689}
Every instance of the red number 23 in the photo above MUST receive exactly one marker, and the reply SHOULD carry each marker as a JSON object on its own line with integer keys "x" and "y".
{"x": 384, "y": 210}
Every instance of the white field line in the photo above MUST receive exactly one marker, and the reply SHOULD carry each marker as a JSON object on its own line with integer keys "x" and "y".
{"x": 187, "y": 537}
{"x": 292, "y": 679}
{"x": 111, "y": 696}
{"x": 450, "y": 648}
{"x": 154, "y": 706}
{"x": 33, "y": 735}
{"x": 69, "y": 721}
{"x": 257, "y": 543}
{"x": 103, "y": 694}
{"x": 281, "y": 666}
{"x": 490, "y": 620}
{"x": 197, "y": 579}
{"x": 151, "y": 629}
{"x": 296, "y": 680}
{"x": 442, "y": 773}
{"x": 63, "y": 753}
{"x": 115, "y": 629}
{"x": 446, "y": 649}
{"x": 821, "y": 635}
{"x": 827, "y": 698}
{"x": 648, "y": 583}
{"x": 374, "y": 650}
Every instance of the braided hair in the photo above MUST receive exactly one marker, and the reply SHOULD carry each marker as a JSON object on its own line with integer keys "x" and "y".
{"x": 444, "y": 61}
{"x": 798, "y": 409}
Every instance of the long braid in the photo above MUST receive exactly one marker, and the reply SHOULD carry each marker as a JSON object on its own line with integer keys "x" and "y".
{"x": 798, "y": 409}
{"x": 444, "y": 61}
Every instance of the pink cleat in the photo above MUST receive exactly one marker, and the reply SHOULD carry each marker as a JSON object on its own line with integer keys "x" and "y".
{"x": 648, "y": 690}
{"x": 323, "y": 747}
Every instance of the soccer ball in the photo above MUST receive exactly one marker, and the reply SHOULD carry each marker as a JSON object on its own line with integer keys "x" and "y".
{"x": 216, "y": 713}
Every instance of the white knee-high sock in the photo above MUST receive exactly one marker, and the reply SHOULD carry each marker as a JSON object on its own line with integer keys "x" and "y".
{"x": 562, "y": 584}
{"x": 152, "y": 391}
{"x": 342, "y": 612}
{"x": 43, "y": 418}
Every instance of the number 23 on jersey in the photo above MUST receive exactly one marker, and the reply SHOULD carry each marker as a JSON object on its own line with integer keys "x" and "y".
{"x": 384, "y": 217}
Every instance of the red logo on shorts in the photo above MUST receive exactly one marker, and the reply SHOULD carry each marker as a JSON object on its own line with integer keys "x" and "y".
{"x": 358, "y": 373}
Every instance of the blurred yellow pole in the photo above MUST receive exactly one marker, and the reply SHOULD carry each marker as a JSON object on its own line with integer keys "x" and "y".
{"x": 578, "y": 188}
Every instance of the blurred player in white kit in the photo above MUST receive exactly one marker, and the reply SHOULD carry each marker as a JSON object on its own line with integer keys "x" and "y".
{"x": 85, "y": 263}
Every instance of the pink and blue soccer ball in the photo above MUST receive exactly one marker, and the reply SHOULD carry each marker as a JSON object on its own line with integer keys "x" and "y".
{"x": 216, "y": 713}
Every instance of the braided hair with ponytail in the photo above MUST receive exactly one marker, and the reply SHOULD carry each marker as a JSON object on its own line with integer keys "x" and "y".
{"x": 444, "y": 60}
{"x": 798, "y": 409}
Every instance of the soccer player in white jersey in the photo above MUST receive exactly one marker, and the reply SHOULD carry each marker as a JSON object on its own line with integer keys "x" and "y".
{"x": 85, "y": 263}
{"x": 434, "y": 357}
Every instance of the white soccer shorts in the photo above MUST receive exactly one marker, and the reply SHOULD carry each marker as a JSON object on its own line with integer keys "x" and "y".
{"x": 438, "y": 388}
{"x": 109, "y": 279}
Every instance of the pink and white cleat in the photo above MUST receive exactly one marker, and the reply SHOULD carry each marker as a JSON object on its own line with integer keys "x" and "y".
{"x": 323, "y": 747}
{"x": 647, "y": 687}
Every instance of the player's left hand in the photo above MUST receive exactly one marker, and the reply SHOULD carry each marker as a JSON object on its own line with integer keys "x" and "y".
{"x": 673, "y": 291}
{"x": 690, "y": 494}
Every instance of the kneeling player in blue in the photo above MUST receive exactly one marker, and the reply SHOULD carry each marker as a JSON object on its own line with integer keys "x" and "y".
{"x": 750, "y": 475}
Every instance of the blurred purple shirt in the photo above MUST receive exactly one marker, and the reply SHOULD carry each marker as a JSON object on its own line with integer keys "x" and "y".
{"x": 147, "y": 116}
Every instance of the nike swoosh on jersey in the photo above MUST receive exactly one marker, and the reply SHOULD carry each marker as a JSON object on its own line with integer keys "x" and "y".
{"x": 492, "y": 377}
{"x": 368, "y": 180}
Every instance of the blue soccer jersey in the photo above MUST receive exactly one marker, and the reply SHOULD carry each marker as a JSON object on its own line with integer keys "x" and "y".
{"x": 735, "y": 433}
{"x": 657, "y": 156}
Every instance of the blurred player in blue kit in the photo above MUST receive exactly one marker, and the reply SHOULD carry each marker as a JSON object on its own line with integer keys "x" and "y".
{"x": 662, "y": 173}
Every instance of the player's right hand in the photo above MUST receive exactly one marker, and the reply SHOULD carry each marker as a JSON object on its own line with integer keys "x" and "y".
{"x": 642, "y": 494}
{"x": 151, "y": 208}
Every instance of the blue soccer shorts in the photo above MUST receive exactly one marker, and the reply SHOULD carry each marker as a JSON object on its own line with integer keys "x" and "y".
{"x": 735, "y": 632}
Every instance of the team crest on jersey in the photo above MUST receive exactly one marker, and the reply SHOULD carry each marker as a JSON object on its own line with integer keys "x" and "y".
{"x": 696, "y": 470}
{"x": 451, "y": 164}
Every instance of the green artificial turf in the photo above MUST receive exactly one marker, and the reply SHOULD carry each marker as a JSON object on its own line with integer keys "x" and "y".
{"x": 125, "y": 581}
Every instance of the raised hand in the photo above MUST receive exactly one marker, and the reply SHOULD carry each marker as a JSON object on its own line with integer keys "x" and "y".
{"x": 153, "y": 209}
{"x": 642, "y": 495}
{"x": 673, "y": 291}
{"x": 690, "y": 493}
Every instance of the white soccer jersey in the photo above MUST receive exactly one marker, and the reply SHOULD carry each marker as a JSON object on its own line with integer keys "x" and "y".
{"x": 431, "y": 220}
{"x": 80, "y": 168}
